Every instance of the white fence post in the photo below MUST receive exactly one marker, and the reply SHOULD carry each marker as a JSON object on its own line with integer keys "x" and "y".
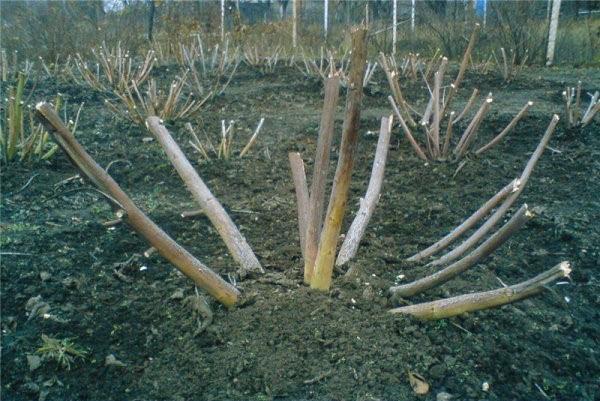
{"x": 294, "y": 23}
{"x": 412, "y": 16}
{"x": 552, "y": 33}
{"x": 325, "y": 17}
{"x": 222, "y": 20}
{"x": 394, "y": 27}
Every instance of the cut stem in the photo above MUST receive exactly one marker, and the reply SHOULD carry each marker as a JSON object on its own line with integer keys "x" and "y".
{"x": 321, "y": 168}
{"x": 299, "y": 178}
{"x": 339, "y": 193}
{"x": 468, "y": 223}
{"x": 233, "y": 238}
{"x": 508, "y": 202}
{"x": 367, "y": 205}
{"x": 190, "y": 266}
{"x": 449, "y": 307}
{"x": 490, "y": 245}
{"x": 506, "y": 130}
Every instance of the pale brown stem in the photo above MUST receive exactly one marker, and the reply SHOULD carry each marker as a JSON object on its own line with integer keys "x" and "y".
{"x": 233, "y": 238}
{"x": 341, "y": 184}
{"x": 367, "y": 205}
{"x": 448, "y": 136}
{"x": 321, "y": 168}
{"x": 506, "y": 130}
{"x": 449, "y": 307}
{"x": 471, "y": 131}
{"x": 435, "y": 125}
{"x": 592, "y": 109}
{"x": 392, "y": 77}
{"x": 302, "y": 196}
{"x": 173, "y": 252}
{"x": 253, "y": 138}
{"x": 468, "y": 106}
{"x": 407, "y": 133}
{"x": 501, "y": 211}
{"x": 468, "y": 223}
{"x": 490, "y": 245}
{"x": 191, "y": 213}
{"x": 463, "y": 67}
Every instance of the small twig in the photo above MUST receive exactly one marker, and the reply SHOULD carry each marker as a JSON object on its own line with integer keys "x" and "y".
{"x": 318, "y": 378}
{"x": 24, "y": 186}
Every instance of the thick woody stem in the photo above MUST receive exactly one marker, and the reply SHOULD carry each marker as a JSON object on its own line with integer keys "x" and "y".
{"x": 367, "y": 205}
{"x": 501, "y": 211}
{"x": 233, "y": 238}
{"x": 341, "y": 184}
{"x": 468, "y": 223}
{"x": 299, "y": 178}
{"x": 506, "y": 130}
{"x": 490, "y": 245}
{"x": 449, "y": 307}
{"x": 321, "y": 168}
{"x": 169, "y": 249}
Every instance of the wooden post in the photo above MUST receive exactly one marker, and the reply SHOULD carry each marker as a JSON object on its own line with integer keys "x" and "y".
{"x": 341, "y": 184}
{"x": 449, "y": 307}
{"x": 233, "y": 238}
{"x": 368, "y": 203}
{"x": 169, "y": 249}
{"x": 552, "y": 32}
{"x": 319, "y": 179}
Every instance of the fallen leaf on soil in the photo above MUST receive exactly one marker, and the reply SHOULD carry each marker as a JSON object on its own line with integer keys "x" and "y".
{"x": 418, "y": 383}
{"x": 111, "y": 360}
{"x": 34, "y": 362}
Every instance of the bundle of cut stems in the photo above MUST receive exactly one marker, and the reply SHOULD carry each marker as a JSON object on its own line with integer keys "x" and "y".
{"x": 438, "y": 119}
{"x": 319, "y": 244}
{"x": 448, "y": 307}
{"x": 165, "y": 245}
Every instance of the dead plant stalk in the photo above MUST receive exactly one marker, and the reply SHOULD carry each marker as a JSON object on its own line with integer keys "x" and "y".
{"x": 167, "y": 247}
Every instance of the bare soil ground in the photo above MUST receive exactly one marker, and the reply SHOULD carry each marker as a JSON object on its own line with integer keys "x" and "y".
{"x": 287, "y": 342}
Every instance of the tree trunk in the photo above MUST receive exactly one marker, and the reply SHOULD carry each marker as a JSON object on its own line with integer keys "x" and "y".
{"x": 151, "y": 12}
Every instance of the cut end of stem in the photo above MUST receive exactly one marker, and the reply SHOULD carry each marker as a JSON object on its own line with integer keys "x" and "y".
{"x": 566, "y": 268}
{"x": 516, "y": 185}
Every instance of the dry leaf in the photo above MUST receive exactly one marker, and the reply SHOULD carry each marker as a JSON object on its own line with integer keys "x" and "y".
{"x": 418, "y": 383}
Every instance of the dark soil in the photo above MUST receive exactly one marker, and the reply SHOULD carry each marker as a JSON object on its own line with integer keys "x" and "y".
{"x": 285, "y": 341}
